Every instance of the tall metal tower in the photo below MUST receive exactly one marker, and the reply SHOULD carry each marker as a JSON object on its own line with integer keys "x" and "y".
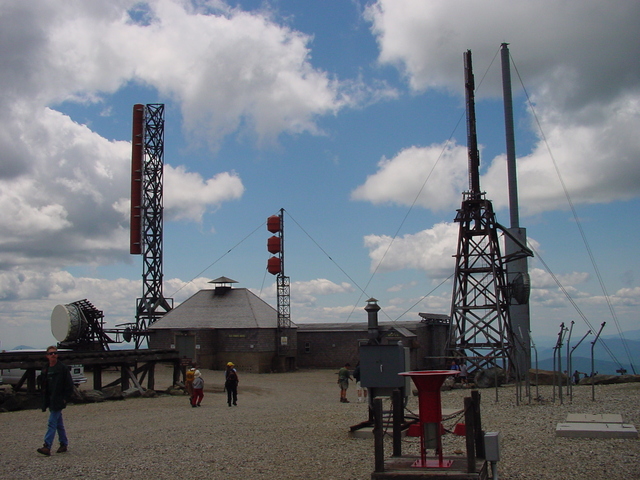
{"x": 516, "y": 236}
{"x": 275, "y": 266}
{"x": 480, "y": 322}
{"x": 146, "y": 213}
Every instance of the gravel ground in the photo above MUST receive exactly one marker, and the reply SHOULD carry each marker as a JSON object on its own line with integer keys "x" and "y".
{"x": 291, "y": 426}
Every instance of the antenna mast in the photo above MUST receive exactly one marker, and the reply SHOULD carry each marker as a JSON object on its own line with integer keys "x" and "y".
{"x": 480, "y": 323}
{"x": 146, "y": 214}
{"x": 275, "y": 266}
{"x": 516, "y": 236}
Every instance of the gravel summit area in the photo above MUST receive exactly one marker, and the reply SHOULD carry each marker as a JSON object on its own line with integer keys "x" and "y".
{"x": 292, "y": 426}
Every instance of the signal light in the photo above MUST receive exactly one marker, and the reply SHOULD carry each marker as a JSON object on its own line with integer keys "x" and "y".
{"x": 274, "y": 245}
{"x": 274, "y": 266}
{"x": 274, "y": 224}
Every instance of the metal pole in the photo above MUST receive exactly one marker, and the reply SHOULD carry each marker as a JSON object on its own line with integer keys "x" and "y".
{"x": 576, "y": 346}
{"x": 533, "y": 345}
{"x": 378, "y": 435}
{"x": 512, "y": 177}
{"x": 569, "y": 359}
{"x": 555, "y": 354}
{"x": 527, "y": 379}
{"x": 593, "y": 373}
{"x": 398, "y": 417}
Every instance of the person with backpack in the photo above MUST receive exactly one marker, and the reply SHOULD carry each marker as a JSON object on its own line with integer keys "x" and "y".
{"x": 231, "y": 384}
{"x": 188, "y": 383}
{"x": 343, "y": 382}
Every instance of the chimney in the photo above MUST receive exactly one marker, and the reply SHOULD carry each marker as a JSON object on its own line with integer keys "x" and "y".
{"x": 372, "y": 310}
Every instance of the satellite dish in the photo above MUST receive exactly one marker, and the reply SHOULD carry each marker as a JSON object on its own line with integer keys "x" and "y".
{"x": 68, "y": 323}
{"x": 520, "y": 288}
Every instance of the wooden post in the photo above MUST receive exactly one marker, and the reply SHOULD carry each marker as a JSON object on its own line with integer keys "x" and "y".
{"x": 378, "y": 435}
{"x": 398, "y": 417}
{"x": 151, "y": 380}
{"x": 124, "y": 377}
{"x": 176, "y": 372}
{"x": 97, "y": 377}
{"x": 31, "y": 380}
{"x": 469, "y": 420}
{"x": 475, "y": 395}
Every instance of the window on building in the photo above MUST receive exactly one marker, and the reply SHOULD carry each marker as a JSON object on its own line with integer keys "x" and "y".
{"x": 307, "y": 347}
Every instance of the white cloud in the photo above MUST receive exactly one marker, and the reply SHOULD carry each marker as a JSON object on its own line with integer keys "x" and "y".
{"x": 540, "y": 279}
{"x": 29, "y": 296}
{"x": 402, "y": 179}
{"x": 430, "y": 250}
{"x": 595, "y": 155}
{"x": 64, "y": 189}
{"x": 68, "y": 177}
{"x": 226, "y": 68}
{"x": 306, "y": 293}
{"x": 577, "y": 60}
{"x": 188, "y": 195}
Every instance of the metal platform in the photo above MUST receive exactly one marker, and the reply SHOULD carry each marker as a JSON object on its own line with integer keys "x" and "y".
{"x": 135, "y": 365}
{"x": 401, "y": 469}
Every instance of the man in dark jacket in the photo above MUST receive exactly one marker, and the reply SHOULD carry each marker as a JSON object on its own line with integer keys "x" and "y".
{"x": 231, "y": 383}
{"x": 57, "y": 388}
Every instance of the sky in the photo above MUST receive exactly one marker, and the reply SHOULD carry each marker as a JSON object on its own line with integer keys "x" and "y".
{"x": 347, "y": 114}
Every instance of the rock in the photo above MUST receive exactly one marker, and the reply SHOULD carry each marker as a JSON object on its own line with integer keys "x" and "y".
{"x": 92, "y": 396}
{"x": 12, "y": 404}
{"x": 77, "y": 396}
{"x": 546, "y": 377}
{"x": 176, "y": 390}
{"x": 448, "y": 384}
{"x": 132, "y": 392}
{"x": 487, "y": 378}
{"x": 113, "y": 393}
{"x": 5, "y": 392}
{"x": 609, "y": 379}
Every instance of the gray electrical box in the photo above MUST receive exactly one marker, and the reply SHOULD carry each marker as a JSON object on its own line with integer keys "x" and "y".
{"x": 381, "y": 364}
{"x": 492, "y": 446}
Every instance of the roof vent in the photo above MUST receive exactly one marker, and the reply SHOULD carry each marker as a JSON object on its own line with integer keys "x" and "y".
{"x": 222, "y": 285}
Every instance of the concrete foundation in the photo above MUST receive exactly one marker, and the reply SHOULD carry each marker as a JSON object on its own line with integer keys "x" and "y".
{"x": 596, "y": 430}
{"x": 601, "y": 418}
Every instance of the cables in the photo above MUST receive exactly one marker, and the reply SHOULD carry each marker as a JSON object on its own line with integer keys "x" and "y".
{"x": 579, "y": 226}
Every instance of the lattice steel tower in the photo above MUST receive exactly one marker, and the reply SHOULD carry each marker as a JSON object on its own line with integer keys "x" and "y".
{"x": 480, "y": 322}
{"x": 275, "y": 266}
{"x": 146, "y": 213}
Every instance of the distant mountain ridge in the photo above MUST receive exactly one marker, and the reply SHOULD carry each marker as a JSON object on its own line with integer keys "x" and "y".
{"x": 609, "y": 353}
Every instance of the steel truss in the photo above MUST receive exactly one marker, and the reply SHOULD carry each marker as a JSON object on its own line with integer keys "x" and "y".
{"x": 283, "y": 292}
{"x": 153, "y": 305}
{"x": 481, "y": 327}
{"x": 481, "y": 332}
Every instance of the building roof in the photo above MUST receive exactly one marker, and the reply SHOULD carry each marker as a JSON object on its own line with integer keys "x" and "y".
{"x": 230, "y": 308}
{"x": 401, "y": 327}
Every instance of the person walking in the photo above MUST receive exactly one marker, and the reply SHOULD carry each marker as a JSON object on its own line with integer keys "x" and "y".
{"x": 57, "y": 388}
{"x": 198, "y": 389}
{"x": 343, "y": 382}
{"x": 231, "y": 384}
{"x": 464, "y": 374}
{"x": 188, "y": 382}
{"x": 362, "y": 391}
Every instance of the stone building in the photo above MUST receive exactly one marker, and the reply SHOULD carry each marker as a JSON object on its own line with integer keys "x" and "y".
{"x": 331, "y": 345}
{"x": 224, "y": 324}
